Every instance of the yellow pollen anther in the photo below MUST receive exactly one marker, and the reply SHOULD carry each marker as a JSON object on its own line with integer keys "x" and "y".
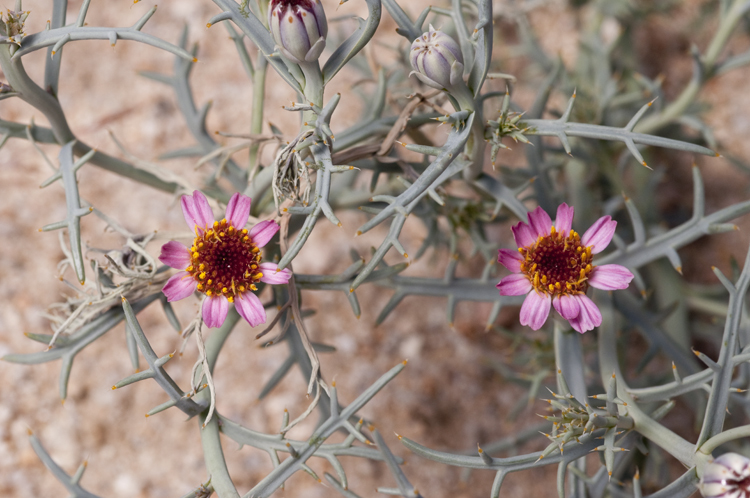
{"x": 202, "y": 275}
{"x": 224, "y": 290}
{"x": 588, "y": 268}
{"x": 189, "y": 268}
{"x": 202, "y": 267}
{"x": 551, "y": 287}
{"x": 200, "y": 244}
{"x": 253, "y": 287}
{"x": 568, "y": 286}
{"x": 583, "y": 272}
{"x": 520, "y": 249}
{"x": 244, "y": 230}
{"x": 258, "y": 275}
{"x": 579, "y": 249}
{"x": 230, "y": 299}
{"x": 242, "y": 288}
{"x": 221, "y": 234}
{"x": 223, "y": 221}
{"x": 544, "y": 279}
{"x": 536, "y": 280}
{"x": 533, "y": 268}
{"x": 208, "y": 292}
{"x": 255, "y": 250}
{"x": 552, "y": 231}
{"x": 200, "y": 286}
{"x": 230, "y": 229}
{"x": 557, "y": 284}
{"x": 245, "y": 238}
{"x": 209, "y": 282}
{"x": 216, "y": 224}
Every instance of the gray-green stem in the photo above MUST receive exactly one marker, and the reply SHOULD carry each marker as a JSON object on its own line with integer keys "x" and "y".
{"x": 314, "y": 89}
{"x": 35, "y": 96}
{"x": 259, "y": 95}
{"x": 652, "y": 430}
{"x": 709, "y": 60}
{"x": 476, "y": 144}
{"x": 213, "y": 453}
{"x": 475, "y": 147}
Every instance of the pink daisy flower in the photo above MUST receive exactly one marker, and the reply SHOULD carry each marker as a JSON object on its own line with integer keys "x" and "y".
{"x": 553, "y": 266}
{"x": 224, "y": 262}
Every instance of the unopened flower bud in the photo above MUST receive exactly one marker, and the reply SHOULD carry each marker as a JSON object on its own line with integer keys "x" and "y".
{"x": 299, "y": 28}
{"x": 727, "y": 476}
{"x": 437, "y": 60}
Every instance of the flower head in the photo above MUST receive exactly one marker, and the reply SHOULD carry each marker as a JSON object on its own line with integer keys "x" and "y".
{"x": 438, "y": 62}
{"x": 553, "y": 265}
{"x": 299, "y": 28}
{"x": 224, "y": 262}
{"x": 433, "y": 55}
{"x": 728, "y": 476}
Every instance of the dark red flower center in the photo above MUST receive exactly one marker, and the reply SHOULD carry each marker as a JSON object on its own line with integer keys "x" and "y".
{"x": 557, "y": 264}
{"x": 744, "y": 486}
{"x": 225, "y": 261}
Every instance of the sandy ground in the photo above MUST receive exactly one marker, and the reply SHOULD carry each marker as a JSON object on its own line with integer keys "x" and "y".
{"x": 448, "y": 397}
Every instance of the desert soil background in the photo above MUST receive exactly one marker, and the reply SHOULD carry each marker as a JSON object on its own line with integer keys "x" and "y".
{"x": 448, "y": 397}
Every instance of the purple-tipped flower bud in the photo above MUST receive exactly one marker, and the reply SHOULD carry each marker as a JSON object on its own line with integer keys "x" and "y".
{"x": 299, "y": 28}
{"x": 437, "y": 60}
{"x": 728, "y": 477}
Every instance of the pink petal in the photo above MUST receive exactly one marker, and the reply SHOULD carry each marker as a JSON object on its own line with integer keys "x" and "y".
{"x": 564, "y": 220}
{"x": 179, "y": 286}
{"x": 175, "y": 255}
{"x": 535, "y": 310}
{"x": 599, "y": 234}
{"x": 514, "y": 285}
{"x": 197, "y": 211}
{"x": 215, "y": 310}
{"x": 510, "y": 259}
{"x": 250, "y": 308}
{"x": 272, "y": 275}
{"x": 523, "y": 234}
{"x": 540, "y": 222}
{"x": 610, "y": 277}
{"x": 263, "y": 232}
{"x": 567, "y": 306}
{"x": 588, "y": 317}
{"x": 238, "y": 210}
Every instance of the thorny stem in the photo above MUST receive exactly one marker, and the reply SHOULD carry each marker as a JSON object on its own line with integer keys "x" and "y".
{"x": 568, "y": 345}
{"x": 35, "y": 96}
{"x": 708, "y": 61}
{"x": 672, "y": 443}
